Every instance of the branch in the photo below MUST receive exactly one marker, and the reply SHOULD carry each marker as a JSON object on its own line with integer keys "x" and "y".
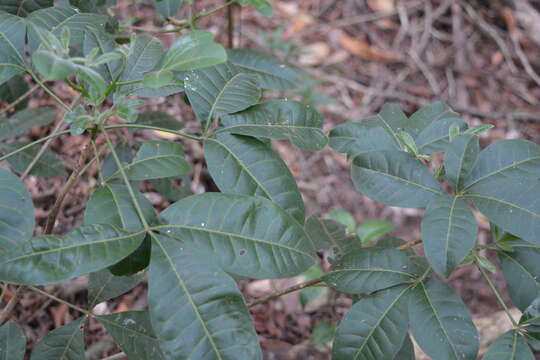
{"x": 286, "y": 291}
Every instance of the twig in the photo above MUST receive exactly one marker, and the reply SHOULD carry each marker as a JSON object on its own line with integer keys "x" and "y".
{"x": 11, "y": 304}
{"x": 409, "y": 244}
{"x": 286, "y": 291}
{"x": 524, "y": 60}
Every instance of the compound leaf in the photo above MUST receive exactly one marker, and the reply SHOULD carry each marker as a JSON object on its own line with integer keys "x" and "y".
{"x": 12, "y": 342}
{"x": 394, "y": 178}
{"x": 374, "y": 328}
{"x": 449, "y": 233}
{"x": 370, "y": 269}
{"x": 441, "y": 324}
{"x": 209, "y": 319}
{"x": 280, "y": 119}
{"x": 63, "y": 343}
{"x": 244, "y": 165}
{"x": 51, "y": 259}
{"x": 245, "y": 235}
{"x": 272, "y": 73}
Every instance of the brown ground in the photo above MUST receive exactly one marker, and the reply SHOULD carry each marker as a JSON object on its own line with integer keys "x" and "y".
{"x": 481, "y": 57}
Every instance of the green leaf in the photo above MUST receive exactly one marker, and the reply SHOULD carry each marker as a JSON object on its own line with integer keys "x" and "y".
{"x": 145, "y": 55}
{"x": 109, "y": 167}
{"x": 12, "y": 40}
{"x": 262, "y": 6}
{"x": 93, "y": 6}
{"x": 478, "y": 129}
{"x": 209, "y": 319}
{"x": 436, "y": 137}
{"x": 407, "y": 350}
{"x": 486, "y": 264}
{"x": 329, "y": 234}
{"x": 408, "y": 141}
{"x": 111, "y": 204}
{"x": 449, "y": 233}
{"x": 13, "y": 89}
{"x": 12, "y": 342}
{"x": 103, "y": 286}
{"x": 323, "y": 333}
{"x": 24, "y": 120}
{"x": 220, "y": 90}
{"x": 509, "y": 346}
{"x": 514, "y": 159}
{"x": 459, "y": 159}
{"x": 244, "y": 165}
{"x": 521, "y": 269}
{"x": 280, "y": 119}
{"x": 136, "y": 261}
{"x": 374, "y": 328}
{"x": 51, "y": 259}
{"x": 509, "y": 205}
{"x": 55, "y": 19}
{"x": 170, "y": 190}
{"x": 106, "y": 45}
{"x": 272, "y": 73}
{"x": 133, "y": 332}
{"x": 52, "y": 66}
{"x": 159, "y": 119}
{"x": 168, "y": 8}
{"x": 156, "y": 160}
{"x": 392, "y": 119}
{"x": 395, "y": 178}
{"x": 531, "y": 315}
{"x": 344, "y": 217}
{"x": 63, "y": 343}
{"x": 96, "y": 85}
{"x": 245, "y": 235}
{"x": 428, "y": 115}
{"x": 194, "y": 50}
{"x": 441, "y": 324}
{"x": 24, "y": 7}
{"x": 48, "y": 165}
{"x": 369, "y": 269}
{"x": 16, "y": 213}
{"x": 358, "y": 138}
{"x": 311, "y": 293}
{"x": 370, "y": 231}
{"x": 158, "y": 79}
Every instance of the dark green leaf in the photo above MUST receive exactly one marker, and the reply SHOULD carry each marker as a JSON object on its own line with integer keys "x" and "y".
{"x": 209, "y": 319}
{"x": 159, "y": 119}
{"x": 93, "y": 6}
{"x": 13, "y": 89}
{"x": 145, "y": 55}
{"x": 374, "y": 328}
{"x": 24, "y": 7}
{"x": 156, "y": 160}
{"x": 510, "y": 205}
{"x": 12, "y": 40}
{"x": 280, "y": 119}
{"x": 220, "y": 90}
{"x": 370, "y": 269}
{"x": 357, "y": 138}
{"x": 21, "y": 122}
{"x": 323, "y": 333}
{"x": 509, "y": 346}
{"x": 158, "y": 79}
{"x": 395, "y": 178}
{"x": 428, "y": 115}
{"x": 51, "y": 259}
{"x": 135, "y": 262}
{"x": 55, "y": 19}
{"x": 436, "y": 137}
{"x": 459, "y": 159}
{"x": 170, "y": 190}
{"x": 94, "y": 82}
{"x": 12, "y": 342}
{"x": 407, "y": 350}
{"x": 133, "y": 332}
{"x": 244, "y": 165}
{"x": 441, "y": 324}
{"x": 449, "y": 233}
{"x": 262, "y": 6}
{"x": 370, "y": 231}
{"x": 521, "y": 269}
{"x": 16, "y": 213}
{"x": 48, "y": 165}
{"x": 194, "y": 50}
{"x": 272, "y": 73}
{"x": 109, "y": 166}
{"x": 329, "y": 234}
{"x": 168, "y": 8}
{"x": 103, "y": 286}
{"x": 392, "y": 119}
{"x": 245, "y": 235}
{"x": 105, "y": 44}
{"x": 515, "y": 159}
{"x": 63, "y": 343}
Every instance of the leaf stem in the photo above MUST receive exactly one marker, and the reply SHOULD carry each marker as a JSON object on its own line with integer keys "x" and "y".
{"x": 286, "y": 291}
{"x": 50, "y": 92}
{"x": 131, "y": 82}
{"x": 39, "y": 141}
{"x": 497, "y": 294}
{"x": 409, "y": 244}
{"x": 156, "y": 128}
{"x": 55, "y": 298}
